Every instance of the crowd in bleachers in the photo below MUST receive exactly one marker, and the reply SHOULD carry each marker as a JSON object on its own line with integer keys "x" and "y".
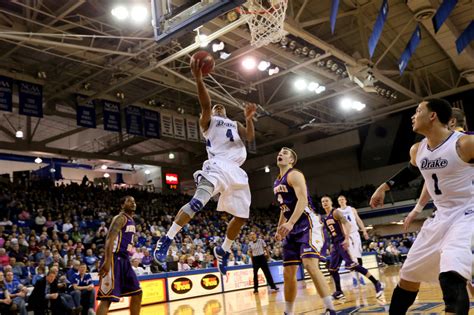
{"x": 44, "y": 226}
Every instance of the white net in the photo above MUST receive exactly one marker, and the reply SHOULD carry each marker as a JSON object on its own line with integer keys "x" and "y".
{"x": 266, "y": 21}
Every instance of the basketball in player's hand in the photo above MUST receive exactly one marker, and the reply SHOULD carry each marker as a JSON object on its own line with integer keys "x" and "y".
{"x": 205, "y": 60}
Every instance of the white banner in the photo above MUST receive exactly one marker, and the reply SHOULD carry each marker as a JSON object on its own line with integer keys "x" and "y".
{"x": 188, "y": 286}
{"x": 192, "y": 129}
{"x": 242, "y": 278}
{"x": 166, "y": 125}
{"x": 179, "y": 128}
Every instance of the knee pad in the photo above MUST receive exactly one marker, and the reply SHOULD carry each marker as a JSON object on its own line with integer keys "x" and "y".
{"x": 455, "y": 294}
{"x": 201, "y": 197}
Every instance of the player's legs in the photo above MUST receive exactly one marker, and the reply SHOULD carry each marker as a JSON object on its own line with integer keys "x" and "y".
{"x": 103, "y": 308}
{"x": 312, "y": 266}
{"x": 290, "y": 283}
{"x": 135, "y": 304}
{"x": 334, "y": 265}
{"x": 203, "y": 194}
{"x": 403, "y": 296}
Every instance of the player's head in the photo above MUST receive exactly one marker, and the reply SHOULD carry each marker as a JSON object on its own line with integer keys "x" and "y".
{"x": 430, "y": 113}
{"x": 128, "y": 204}
{"x": 458, "y": 120}
{"x": 342, "y": 201}
{"x": 326, "y": 202}
{"x": 286, "y": 156}
{"x": 219, "y": 110}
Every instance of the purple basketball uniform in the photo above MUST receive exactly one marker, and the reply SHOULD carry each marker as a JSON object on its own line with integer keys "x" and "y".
{"x": 338, "y": 253}
{"x": 306, "y": 238}
{"x": 121, "y": 280}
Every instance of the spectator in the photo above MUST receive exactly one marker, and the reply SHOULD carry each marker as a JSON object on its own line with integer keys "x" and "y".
{"x": 28, "y": 272}
{"x": 136, "y": 267}
{"x": 67, "y": 226}
{"x": 17, "y": 293}
{"x": 16, "y": 268}
{"x": 182, "y": 264}
{"x": 5, "y": 300}
{"x": 40, "y": 273}
{"x": 83, "y": 284}
{"x": 40, "y": 221}
{"x": 4, "y": 258}
{"x": 90, "y": 259}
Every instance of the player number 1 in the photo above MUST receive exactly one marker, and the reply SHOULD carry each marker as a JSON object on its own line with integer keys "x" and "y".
{"x": 437, "y": 190}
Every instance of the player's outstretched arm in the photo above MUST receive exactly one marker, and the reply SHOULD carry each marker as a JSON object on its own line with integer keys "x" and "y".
{"x": 297, "y": 181}
{"x": 117, "y": 223}
{"x": 346, "y": 227}
{"x": 361, "y": 224}
{"x": 404, "y": 176}
{"x": 248, "y": 132}
{"x": 203, "y": 94}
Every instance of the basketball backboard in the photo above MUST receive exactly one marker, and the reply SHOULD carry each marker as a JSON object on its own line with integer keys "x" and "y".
{"x": 174, "y": 18}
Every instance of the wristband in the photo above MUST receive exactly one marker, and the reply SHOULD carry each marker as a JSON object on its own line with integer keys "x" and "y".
{"x": 418, "y": 208}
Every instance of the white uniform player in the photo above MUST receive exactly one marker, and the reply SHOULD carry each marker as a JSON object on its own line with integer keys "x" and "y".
{"x": 226, "y": 153}
{"x": 220, "y": 174}
{"x": 444, "y": 243}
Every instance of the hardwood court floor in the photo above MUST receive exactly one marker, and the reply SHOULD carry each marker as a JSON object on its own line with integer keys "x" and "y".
{"x": 358, "y": 300}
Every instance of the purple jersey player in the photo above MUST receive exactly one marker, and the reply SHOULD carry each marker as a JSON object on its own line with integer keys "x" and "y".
{"x": 116, "y": 276}
{"x": 302, "y": 229}
{"x": 338, "y": 228}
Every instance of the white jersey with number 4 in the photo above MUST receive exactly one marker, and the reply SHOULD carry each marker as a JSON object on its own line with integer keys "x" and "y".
{"x": 223, "y": 140}
{"x": 450, "y": 180}
{"x": 349, "y": 215}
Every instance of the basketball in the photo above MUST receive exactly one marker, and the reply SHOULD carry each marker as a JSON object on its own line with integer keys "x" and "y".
{"x": 206, "y": 58}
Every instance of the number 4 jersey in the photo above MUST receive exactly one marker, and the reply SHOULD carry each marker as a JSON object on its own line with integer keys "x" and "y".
{"x": 223, "y": 140}
{"x": 448, "y": 178}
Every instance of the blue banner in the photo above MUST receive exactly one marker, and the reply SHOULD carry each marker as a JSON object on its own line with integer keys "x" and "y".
{"x": 133, "y": 119}
{"x": 333, "y": 17}
{"x": 378, "y": 27}
{"x": 85, "y": 112}
{"x": 409, "y": 49}
{"x": 112, "y": 117}
{"x": 30, "y": 97}
{"x": 151, "y": 121}
{"x": 442, "y": 14}
{"x": 465, "y": 38}
{"x": 6, "y": 94}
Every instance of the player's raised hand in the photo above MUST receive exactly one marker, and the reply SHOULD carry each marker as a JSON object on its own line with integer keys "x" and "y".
{"x": 196, "y": 68}
{"x": 250, "y": 110}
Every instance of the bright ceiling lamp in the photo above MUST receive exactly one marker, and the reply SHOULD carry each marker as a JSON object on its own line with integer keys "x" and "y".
{"x": 139, "y": 13}
{"x": 249, "y": 63}
{"x": 38, "y": 160}
{"x": 300, "y": 84}
{"x": 120, "y": 12}
{"x": 263, "y": 65}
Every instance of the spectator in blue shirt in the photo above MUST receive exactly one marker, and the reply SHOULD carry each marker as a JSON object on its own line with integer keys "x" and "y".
{"x": 5, "y": 300}
{"x": 90, "y": 259}
{"x": 17, "y": 292}
{"x": 83, "y": 283}
{"x": 73, "y": 271}
{"x": 28, "y": 272}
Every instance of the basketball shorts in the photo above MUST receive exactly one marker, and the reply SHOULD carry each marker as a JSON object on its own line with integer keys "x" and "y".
{"x": 305, "y": 244}
{"x": 120, "y": 281}
{"x": 442, "y": 245}
{"x": 231, "y": 182}
{"x": 355, "y": 245}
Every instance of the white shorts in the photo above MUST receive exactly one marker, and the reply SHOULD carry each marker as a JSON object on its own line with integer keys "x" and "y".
{"x": 441, "y": 246}
{"x": 355, "y": 246}
{"x": 231, "y": 182}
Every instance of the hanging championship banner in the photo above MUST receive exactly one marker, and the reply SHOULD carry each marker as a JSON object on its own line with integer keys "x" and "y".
{"x": 6, "y": 93}
{"x": 410, "y": 49}
{"x": 443, "y": 13}
{"x": 166, "y": 125}
{"x": 151, "y": 122}
{"x": 112, "y": 117}
{"x": 133, "y": 120}
{"x": 192, "y": 129}
{"x": 30, "y": 97}
{"x": 378, "y": 27}
{"x": 465, "y": 38}
{"x": 85, "y": 112}
{"x": 179, "y": 128}
{"x": 333, "y": 17}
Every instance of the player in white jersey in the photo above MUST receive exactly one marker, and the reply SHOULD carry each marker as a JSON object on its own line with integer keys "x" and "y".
{"x": 220, "y": 174}
{"x": 355, "y": 244}
{"x": 442, "y": 250}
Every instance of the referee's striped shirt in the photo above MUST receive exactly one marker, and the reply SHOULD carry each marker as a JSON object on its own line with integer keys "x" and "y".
{"x": 257, "y": 247}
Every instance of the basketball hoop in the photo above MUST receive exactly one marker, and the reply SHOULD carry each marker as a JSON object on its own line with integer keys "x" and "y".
{"x": 267, "y": 20}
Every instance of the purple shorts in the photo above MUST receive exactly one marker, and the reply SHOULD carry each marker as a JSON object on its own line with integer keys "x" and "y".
{"x": 338, "y": 254}
{"x": 120, "y": 281}
{"x": 306, "y": 244}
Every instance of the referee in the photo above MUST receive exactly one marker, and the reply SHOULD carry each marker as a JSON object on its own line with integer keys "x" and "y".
{"x": 257, "y": 253}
